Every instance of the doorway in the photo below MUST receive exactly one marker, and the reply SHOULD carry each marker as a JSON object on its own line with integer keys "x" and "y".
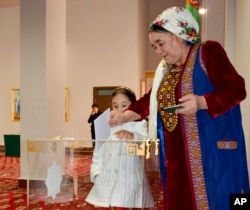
{"x": 102, "y": 96}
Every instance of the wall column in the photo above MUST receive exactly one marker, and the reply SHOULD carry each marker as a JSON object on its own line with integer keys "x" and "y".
{"x": 42, "y": 71}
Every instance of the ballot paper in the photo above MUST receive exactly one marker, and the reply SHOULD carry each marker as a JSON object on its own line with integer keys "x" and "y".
{"x": 102, "y": 129}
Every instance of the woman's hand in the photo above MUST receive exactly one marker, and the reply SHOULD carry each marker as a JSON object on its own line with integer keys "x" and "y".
{"x": 116, "y": 118}
{"x": 191, "y": 103}
{"x": 124, "y": 134}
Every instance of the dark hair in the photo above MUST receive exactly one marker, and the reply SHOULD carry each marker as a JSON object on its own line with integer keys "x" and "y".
{"x": 94, "y": 105}
{"x": 159, "y": 29}
{"x": 125, "y": 91}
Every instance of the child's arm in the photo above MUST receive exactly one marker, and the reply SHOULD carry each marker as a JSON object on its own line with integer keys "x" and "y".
{"x": 133, "y": 130}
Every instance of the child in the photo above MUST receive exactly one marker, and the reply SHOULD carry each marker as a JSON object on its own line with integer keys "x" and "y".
{"x": 119, "y": 179}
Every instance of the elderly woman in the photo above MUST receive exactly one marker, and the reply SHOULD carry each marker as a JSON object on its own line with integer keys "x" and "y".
{"x": 202, "y": 145}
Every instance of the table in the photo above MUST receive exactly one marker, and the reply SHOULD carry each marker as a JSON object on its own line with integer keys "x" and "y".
{"x": 12, "y": 145}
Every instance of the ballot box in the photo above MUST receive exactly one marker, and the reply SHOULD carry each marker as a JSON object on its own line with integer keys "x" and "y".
{"x": 124, "y": 172}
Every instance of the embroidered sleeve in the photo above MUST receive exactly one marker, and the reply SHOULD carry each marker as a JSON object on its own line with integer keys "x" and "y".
{"x": 141, "y": 106}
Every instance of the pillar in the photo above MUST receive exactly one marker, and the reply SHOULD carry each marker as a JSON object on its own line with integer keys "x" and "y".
{"x": 42, "y": 71}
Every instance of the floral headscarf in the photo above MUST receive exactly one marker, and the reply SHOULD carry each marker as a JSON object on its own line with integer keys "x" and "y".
{"x": 180, "y": 22}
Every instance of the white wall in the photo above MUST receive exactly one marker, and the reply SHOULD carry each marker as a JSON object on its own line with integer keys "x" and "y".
{"x": 215, "y": 20}
{"x": 102, "y": 50}
{"x": 9, "y": 67}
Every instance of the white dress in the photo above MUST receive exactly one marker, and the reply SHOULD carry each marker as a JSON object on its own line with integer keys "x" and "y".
{"x": 119, "y": 179}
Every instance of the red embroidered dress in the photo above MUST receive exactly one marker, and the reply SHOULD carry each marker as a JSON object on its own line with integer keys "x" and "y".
{"x": 198, "y": 159}
{"x": 178, "y": 184}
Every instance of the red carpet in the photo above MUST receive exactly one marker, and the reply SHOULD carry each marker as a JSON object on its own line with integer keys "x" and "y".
{"x": 74, "y": 187}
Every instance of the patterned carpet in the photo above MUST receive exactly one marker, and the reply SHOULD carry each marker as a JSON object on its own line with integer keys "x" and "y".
{"x": 74, "y": 188}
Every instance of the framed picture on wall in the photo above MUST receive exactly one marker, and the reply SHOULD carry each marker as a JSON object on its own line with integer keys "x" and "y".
{"x": 66, "y": 104}
{"x": 149, "y": 77}
{"x": 15, "y": 104}
{"x": 142, "y": 87}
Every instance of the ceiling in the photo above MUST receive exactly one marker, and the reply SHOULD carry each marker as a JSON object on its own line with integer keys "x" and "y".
{"x": 9, "y": 3}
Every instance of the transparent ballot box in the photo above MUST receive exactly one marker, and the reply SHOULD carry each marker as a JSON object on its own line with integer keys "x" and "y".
{"x": 120, "y": 173}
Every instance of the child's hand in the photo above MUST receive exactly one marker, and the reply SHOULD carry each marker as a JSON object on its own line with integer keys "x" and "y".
{"x": 124, "y": 134}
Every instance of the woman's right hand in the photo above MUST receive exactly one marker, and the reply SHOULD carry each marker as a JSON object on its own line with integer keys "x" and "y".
{"x": 116, "y": 118}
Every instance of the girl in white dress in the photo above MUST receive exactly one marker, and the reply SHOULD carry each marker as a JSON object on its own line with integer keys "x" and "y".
{"x": 119, "y": 179}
